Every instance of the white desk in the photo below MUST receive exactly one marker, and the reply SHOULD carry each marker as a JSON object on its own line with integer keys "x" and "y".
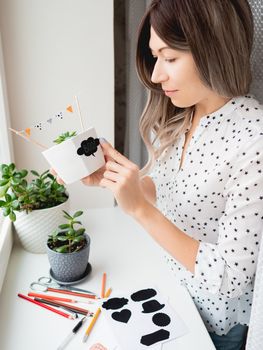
{"x": 131, "y": 259}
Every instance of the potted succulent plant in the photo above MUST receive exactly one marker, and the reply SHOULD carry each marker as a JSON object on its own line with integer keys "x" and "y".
{"x": 68, "y": 250}
{"x": 75, "y": 155}
{"x": 65, "y": 136}
{"x": 34, "y": 206}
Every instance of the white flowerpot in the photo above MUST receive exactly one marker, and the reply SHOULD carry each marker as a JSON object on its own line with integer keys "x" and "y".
{"x": 33, "y": 228}
{"x": 76, "y": 157}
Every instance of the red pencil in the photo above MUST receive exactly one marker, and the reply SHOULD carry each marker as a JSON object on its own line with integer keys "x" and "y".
{"x": 45, "y": 306}
{"x": 53, "y": 297}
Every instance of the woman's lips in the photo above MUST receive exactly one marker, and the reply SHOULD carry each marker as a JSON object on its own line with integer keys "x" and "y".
{"x": 170, "y": 93}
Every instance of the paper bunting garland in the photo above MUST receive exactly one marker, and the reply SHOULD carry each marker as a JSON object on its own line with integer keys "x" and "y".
{"x": 26, "y": 133}
{"x": 41, "y": 125}
{"x": 70, "y": 109}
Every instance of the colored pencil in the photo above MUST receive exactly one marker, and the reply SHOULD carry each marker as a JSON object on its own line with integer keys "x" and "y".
{"x": 60, "y": 304}
{"x": 94, "y": 319}
{"x": 103, "y": 284}
{"x": 53, "y": 297}
{"x": 65, "y": 291}
{"x": 45, "y": 306}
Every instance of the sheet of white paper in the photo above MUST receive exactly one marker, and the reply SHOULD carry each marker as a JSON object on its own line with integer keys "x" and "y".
{"x": 129, "y": 335}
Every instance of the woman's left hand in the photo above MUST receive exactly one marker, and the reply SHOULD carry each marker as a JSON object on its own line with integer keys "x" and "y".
{"x": 122, "y": 178}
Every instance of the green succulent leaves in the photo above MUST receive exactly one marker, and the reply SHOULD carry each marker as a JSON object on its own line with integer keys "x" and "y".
{"x": 17, "y": 194}
{"x": 67, "y": 238}
{"x": 65, "y": 136}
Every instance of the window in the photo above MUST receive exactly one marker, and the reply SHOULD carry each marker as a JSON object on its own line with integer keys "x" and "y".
{"x": 5, "y": 139}
{"x": 5, "y": 157}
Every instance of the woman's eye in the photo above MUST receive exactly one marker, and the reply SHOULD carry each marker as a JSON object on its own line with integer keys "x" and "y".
{"x": 170, "y": 60}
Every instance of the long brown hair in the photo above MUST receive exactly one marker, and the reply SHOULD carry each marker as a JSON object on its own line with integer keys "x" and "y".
{"x": 219, "y": 35}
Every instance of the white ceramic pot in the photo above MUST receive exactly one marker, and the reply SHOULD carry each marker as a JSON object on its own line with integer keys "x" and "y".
{"x": 76, "y": 157}
{"x": 33, "y": 228}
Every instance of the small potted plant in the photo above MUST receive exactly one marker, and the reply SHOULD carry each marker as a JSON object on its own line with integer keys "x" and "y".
{"x": 75, "y": 156}
{"x": 65, "y": 136}
{"x": 68, "y": 250}
{"x": 34, "y": 206}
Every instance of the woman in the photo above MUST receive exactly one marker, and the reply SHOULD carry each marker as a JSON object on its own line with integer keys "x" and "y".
{"x": 200, "y": 195}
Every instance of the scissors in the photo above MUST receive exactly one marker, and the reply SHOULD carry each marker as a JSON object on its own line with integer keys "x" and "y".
{"x": 44, "y": 284}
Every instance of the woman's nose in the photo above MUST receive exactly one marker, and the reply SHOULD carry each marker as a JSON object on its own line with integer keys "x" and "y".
{"x": 158, "y": 75}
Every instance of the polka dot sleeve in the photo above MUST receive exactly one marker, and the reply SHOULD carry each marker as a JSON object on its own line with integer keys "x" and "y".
{"x": 229, "y": 265}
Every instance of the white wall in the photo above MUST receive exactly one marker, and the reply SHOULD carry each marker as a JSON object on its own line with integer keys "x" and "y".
{"x": 53, "y": 50}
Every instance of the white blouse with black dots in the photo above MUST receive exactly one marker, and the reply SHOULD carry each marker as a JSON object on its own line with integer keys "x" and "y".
{"x": 217, "y": 198}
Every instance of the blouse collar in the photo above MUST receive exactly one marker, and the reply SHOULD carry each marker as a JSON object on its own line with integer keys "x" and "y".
{"x": 225, "y": 110}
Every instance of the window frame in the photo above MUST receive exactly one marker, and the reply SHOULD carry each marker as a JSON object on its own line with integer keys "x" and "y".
{"x": 6, "y": 156}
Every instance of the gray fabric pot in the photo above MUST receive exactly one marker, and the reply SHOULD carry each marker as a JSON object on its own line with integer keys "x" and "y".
{"x": 69, "y": 267}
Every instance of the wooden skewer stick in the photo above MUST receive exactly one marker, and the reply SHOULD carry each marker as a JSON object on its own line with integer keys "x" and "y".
{"x": 79, "y": 113}
{"x": 19, "y": 133}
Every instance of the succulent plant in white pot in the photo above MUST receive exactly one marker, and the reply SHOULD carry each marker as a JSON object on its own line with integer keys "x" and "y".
{"x": 34, "y": 206}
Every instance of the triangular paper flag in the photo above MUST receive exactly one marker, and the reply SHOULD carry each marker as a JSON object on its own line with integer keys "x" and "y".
{"x": 28, "y": 131}
{"x": 70, "y": 109}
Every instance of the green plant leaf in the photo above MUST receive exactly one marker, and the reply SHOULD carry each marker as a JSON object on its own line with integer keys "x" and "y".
{"x": 71, "y": 232}
{"x": 44, "y": 173}
{"x": 35, "y": 173}
{"x": 62, "y": 238}
{"x": 5, "y": 171}
{"x": 67, "y": 216}
{"x": 63, "y": 226}
{"x": 76, "y": 222}
{"x": 12, "y": 216}
{"x": 78, "y": 213}
{"x": 51, "y": 177}
{"x": 78, "y": 239}
{"x": 15, "y": 204}
{"x": 80, "y": 231}
{"x": 2, "y": 167}
{"x": 62, "y": 249}
{"x": 3, "y": 190}
{"x": 15, "y": 181}
{"x": 53, "y": 235}
{"x": 8, "y": 198}
{"x": 3, "y": 182}
{"x": 6, "y": 211}
{"x": 11, "y": 167}
{"x": 24, "y": 173}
